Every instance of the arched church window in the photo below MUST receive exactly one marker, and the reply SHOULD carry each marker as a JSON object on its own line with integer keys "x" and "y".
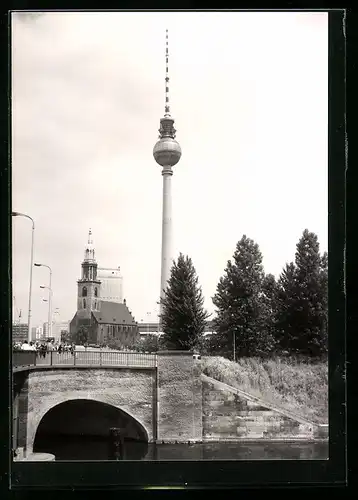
{"x": 95, "y": 292}
{"x": 84, "y": 291}
{"x": 84, "y": 303}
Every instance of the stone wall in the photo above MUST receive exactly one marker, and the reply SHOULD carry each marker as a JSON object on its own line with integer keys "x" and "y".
{"x": 128, "y": 390}
{"x": 20, "y": 409}
{"x": 231, "y": 414}
{"x": 179, "y": 393}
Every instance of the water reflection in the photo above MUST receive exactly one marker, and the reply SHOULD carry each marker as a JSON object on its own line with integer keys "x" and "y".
{"x": 83, "y": 448}
{"x": 86, "y": 448}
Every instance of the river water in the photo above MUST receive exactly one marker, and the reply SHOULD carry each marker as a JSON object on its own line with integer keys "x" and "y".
{"x": 84, "y": 449}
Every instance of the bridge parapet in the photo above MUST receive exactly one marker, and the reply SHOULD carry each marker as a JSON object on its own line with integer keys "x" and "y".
{"x": 83, "y": 358}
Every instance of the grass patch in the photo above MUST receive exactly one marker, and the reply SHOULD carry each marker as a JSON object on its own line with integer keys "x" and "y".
{"x": 297, "y": 386}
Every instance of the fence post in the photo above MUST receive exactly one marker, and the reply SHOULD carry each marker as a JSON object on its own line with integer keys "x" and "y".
{"x": 100, "y": 358}
{"x": 51, "y": 358}
{"x": 74, "y": 356}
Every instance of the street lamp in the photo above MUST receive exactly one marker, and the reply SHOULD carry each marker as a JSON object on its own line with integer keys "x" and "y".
{"x": 158, "y": 316}
{"x": 49, "y": 320}
{"x": 234, "y": 332}
{"x": 57, "y": 324}
{"x": 19, "y": 214}
{"x": 148, "y": 315}
{"x": 50, "y": 298}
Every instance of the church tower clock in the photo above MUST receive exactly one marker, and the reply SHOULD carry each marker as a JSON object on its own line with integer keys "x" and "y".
{"x": 88, "y": 295}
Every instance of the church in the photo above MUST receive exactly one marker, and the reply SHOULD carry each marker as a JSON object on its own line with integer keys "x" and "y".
{"x": 105, "y": 321}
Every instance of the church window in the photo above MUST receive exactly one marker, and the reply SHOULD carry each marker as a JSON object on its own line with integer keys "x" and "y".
{"x": 84, "y": 303}
{"x": 95, "y": 292}
{"x": 84, "y": 291}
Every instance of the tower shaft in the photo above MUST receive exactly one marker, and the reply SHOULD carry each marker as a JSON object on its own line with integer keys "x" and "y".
{"x": 167, "y": 256}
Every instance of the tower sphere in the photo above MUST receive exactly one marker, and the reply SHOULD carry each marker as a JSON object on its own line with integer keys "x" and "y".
{"x": 167, "y": 152}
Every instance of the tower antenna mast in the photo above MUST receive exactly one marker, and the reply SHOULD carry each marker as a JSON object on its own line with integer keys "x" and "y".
{"x": 167, "y": 105}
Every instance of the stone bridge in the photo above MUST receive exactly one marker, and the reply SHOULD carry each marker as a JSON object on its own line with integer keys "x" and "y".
{"x": 157, "y": 402}
{"x": 166, "y": 401}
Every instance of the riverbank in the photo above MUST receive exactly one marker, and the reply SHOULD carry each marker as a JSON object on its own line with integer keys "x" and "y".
{"x": 89, "y": 448}
{"x": 300, "y": 387}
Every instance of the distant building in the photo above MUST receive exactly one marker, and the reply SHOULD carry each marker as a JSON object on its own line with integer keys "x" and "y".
{"x": 148, "y": 328}
{"x": 19, "y": 332}
{"x": 104, "y": 320}
{"x": 37, "y": 332}
{"x": 111, "y": 284}
{"x": 45, "y": 329}
{"x": 153, "y": 328}
{"x": 59, "y": 328}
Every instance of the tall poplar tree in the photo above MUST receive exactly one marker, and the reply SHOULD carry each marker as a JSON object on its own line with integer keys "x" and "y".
{"x": 302, "y": 305}
{"x": 183, "y": 317}
{"x": 243, "y": 305}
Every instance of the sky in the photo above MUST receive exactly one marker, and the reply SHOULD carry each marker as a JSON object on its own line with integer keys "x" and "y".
{"x": 249, "y": 95}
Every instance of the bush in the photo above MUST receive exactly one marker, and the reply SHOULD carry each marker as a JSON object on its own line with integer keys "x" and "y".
{"x": 292, "y": 384}
{"x": 149, "y": 343}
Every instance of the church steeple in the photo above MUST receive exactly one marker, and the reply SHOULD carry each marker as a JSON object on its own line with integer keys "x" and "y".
{"x": 89, "y": 251}
{"x": 88, "y": 286}
{"x": 89, "y": 264}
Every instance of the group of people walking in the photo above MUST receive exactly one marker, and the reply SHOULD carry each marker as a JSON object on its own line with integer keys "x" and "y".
{"x": 42, "y": 348}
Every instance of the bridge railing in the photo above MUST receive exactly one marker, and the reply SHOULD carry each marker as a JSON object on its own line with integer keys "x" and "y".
{"x": 23, "y": 358}
{"x": 84, "y": 358}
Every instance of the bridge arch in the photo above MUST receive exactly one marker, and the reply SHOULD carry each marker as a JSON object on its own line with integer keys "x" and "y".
{"x": 61, "y": 399}
{"x": 130, "y": 391}
{"x": 79, "y": 429}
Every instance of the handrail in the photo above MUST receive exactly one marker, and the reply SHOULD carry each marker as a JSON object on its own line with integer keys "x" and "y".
{"x": 84, "y": 358}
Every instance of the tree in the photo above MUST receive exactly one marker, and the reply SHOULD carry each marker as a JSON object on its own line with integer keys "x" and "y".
{"x": 81, "y": 336}
{"x": 65, "y": 336}
{"x": 301, "y": 316}
{"x": 324, "y": 295}
{"x": 183, "y": 316}
{"x": 268, "y": 297}
{"x": 285, "y": 308}
{"x": 148, "y": 343}
{"x": 243, "y": 299}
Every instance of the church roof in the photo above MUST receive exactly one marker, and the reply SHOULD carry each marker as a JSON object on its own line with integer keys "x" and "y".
{"x": 113, "y": 313}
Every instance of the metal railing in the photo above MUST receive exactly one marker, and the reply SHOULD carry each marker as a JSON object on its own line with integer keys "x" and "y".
{"x": 84, "y": 358}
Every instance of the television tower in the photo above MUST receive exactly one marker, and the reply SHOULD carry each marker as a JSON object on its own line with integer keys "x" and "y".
{"x": 167, "y": 153}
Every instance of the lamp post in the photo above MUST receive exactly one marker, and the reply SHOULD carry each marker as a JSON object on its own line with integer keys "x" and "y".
{"x": 57, "y": 324}
{"x": 49, "y": 318}
{"x": 19, "y": 214}
{"x": 234, "y": 335}
{"x": 158, "y": 316}
{"x": 148, "y": 315}
{"x": 50, "y": 298}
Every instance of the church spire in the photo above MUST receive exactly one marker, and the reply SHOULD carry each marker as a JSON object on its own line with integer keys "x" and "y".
{"x": 89, "y": 250}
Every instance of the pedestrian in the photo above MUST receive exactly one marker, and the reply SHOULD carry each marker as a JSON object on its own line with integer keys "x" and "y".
{"x": 43, "y": 349}
{"x": 25, "y": 346}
